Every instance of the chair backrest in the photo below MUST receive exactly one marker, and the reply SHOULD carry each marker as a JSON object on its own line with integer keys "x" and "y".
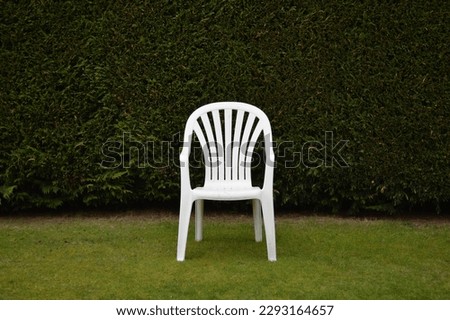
{"x": 228, "y": 133}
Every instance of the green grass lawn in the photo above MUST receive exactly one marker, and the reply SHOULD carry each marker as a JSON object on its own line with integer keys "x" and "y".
{"x": 134, "y": 257}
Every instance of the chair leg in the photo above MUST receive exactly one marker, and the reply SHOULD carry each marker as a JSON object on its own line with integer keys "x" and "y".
{"x": 183, "y": 225}
{"x": 257, "y": 218}
{"x": 269, "y": 225}
{"x": 199, "y": 208}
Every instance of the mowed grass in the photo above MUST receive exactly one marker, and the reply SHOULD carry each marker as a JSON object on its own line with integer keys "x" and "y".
{"x": 133, "y": 257}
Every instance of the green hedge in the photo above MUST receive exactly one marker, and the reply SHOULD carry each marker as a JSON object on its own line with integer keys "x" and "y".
{"x": 77, "y": 74}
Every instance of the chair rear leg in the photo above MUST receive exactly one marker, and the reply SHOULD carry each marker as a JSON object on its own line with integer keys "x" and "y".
{"x": 183, "y": 225}
{"x": 269, "y": 226}
{"x": 257, "y": 218}
{"x": 199, "y": 209}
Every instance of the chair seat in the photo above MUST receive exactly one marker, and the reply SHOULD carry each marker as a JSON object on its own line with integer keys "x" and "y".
{"x": 227, "y": 192}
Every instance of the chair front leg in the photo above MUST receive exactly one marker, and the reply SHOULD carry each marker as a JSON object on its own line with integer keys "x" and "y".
{"x": 183, "y": 226}
{"x": 269, "y": 226}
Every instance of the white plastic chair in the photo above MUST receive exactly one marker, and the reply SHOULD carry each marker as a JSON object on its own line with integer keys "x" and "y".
{"x": 227, "y": 132}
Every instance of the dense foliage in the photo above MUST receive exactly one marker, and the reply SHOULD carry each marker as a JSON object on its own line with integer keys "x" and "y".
{"x": 75, "y": 76}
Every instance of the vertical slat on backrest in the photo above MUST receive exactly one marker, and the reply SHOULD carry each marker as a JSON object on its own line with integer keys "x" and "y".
{"x": 244, "y": 145}
{"x": 205, "y": 149}
{"x": 251, "y": 146}
{"x": 212, "y": 146}
{"x": 237, "y": 144}
{"x": 219, "y": 144}
{"x": 228, "y": 117}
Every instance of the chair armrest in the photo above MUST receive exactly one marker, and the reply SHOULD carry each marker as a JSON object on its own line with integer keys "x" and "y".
{"x": 271, "y": 157}
{"x": 186, "y": 150}
{"x": 184, "y": 156}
